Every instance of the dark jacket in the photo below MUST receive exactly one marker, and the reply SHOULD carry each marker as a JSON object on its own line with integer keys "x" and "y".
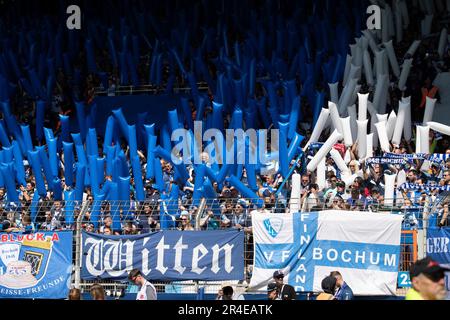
{"x": 287, "y": 292}
{"x": 344, "y": 293}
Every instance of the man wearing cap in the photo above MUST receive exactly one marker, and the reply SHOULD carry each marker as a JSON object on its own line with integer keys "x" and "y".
{"x": 285, "y": 291}
{"x": 272, "y": 291}
{"x": 427, "y": 280}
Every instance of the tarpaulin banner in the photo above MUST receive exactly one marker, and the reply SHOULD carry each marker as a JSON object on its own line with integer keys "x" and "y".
{"x": 35, "y": 266}
{"x": 438, "y": 245}
{"x": 165, "y": 255}
{"x": 363, "y": 247}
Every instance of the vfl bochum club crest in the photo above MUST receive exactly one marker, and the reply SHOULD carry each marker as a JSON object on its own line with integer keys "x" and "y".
{"x": 273, "y": 226}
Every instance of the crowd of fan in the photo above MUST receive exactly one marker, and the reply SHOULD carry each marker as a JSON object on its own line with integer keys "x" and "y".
{"x": 228, "y": 209}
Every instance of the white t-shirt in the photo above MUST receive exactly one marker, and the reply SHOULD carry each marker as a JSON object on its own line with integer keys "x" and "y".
{"x": 147, "y": 292}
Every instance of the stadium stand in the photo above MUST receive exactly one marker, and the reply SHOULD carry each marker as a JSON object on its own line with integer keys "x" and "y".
{"x": 88, "y": 116}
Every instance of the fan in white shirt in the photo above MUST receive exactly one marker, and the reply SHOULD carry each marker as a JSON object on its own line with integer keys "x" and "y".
{"x": 147, "y": 291}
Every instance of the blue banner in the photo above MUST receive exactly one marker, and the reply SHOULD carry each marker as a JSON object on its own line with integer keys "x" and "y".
{"x": 35, "y": 266}
{"x": 438, "y": 244}
{"x": 165, "y": 255}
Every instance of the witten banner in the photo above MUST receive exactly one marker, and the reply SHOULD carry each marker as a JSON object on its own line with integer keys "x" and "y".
{"x": 363, "y": 247}
{"x": 165, "y": 255}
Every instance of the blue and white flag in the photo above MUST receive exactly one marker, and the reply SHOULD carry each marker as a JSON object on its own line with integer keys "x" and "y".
{"x": 363, "y": 247}
{"x": 35, "y": 266}
{"x": 166, "y": 255}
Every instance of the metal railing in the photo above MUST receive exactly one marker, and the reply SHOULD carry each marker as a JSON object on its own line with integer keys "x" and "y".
{"x": 149, "y": 89}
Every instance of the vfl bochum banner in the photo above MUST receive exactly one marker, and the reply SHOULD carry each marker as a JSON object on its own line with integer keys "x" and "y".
{"x": 165, "y": 255}
{"x": 363, "y": 247}
{"x": 35, "y": 266}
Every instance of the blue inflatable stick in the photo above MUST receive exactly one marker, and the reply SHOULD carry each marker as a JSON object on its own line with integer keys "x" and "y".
{"x": 81, "y": 116}
{"x": 118, "y": 115}
{"x": 245, "y": 191}
{"x": 68, "y": 162}
{"x": 91, "y": 143}
{"x": 53, "y": 157}
{"x": 165, "y": 139}
{"x": 261, "y": 104}
{"x": 110, "y": 151}
{"x": 57, "y": 189}
{"x": 45, "y": 164}
{"x": 40, "y": 111}
{"x": 76, "y": 137}
{"x": 90, "y": 56}
{"x": 4, "y": 139}
{"x": 124, "y": 196}
{"x": 140, "y": 131}
{"x": 80, "y": 179}
{"x": 217, "y": 116}
{"x": 18, "y": 163}
{"x": 94, "y": 174}
{"x": 65, "y": 128}
{"x": 109, "y": 130}
{"x": 81, "y": 155}
{"x": 115, "y": 206}
{"x": 132, "y": 141}
{"x": 33, "y": 158}
{"x": 27, "y": 137}
{"x": 294, "y": 146}
{"x": 158, "y": 175}
{"x": 48, "y": 133}
{"x": 7, "y": 154}
{"x": 117, "y": 169}
{"x": 208, "y": 190}
{"x": 69, "y": 206}
{"x": 294, "y": 117}
{"x": 200, "y": 104}
{"x": 150, "y": 173}
{"x": 149, "y": 129}
{"x": 223, "y": 172}
{"x": 100, "y": 162}
{"x": 10, "y": 183}
{"x": 319, "y": 103}
{"x": 187, "y": 110}
{"x": 198, "y": 184}
{"x": 137, "y": 174}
